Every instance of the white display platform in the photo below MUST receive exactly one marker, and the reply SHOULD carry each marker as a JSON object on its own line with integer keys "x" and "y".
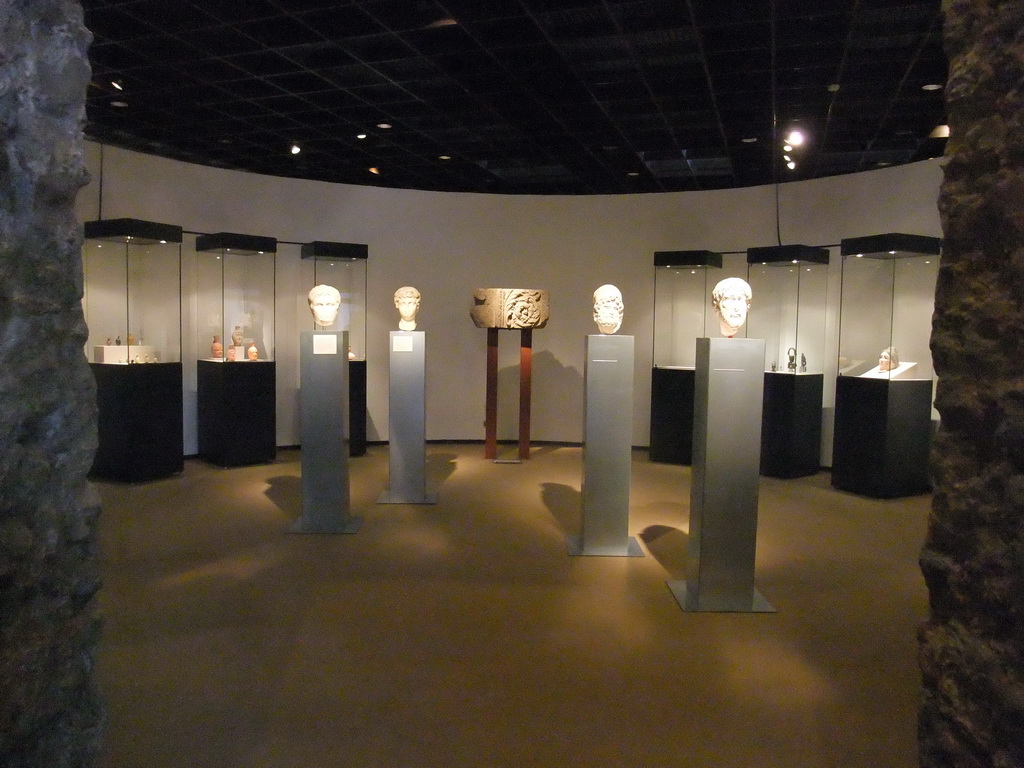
{"x": 118, "y": 353}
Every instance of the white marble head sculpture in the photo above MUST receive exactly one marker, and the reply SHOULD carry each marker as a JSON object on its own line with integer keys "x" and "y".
{"x": 731, "y": 300}
{"x": 407, "y": 300}
{"x": 608, "y": 308}
{"x": 888, "y": 359}
{"x": 324, "y": 301}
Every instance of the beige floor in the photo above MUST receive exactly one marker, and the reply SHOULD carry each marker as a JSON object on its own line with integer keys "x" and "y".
{"x": 461, "y": 634}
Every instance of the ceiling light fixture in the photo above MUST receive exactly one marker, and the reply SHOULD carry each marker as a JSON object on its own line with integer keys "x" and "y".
{"x": 833, "y": 87}
{"x": 119, "y": 104}
{"x": 120, "y": 87}
{"x": 361, "y": 136}
{"x": 444, "y": 157}
{"x": 374, "y": 170}
{"x": 787, "y": 148}
{"x": 296, "y": 149}
{"x": 632, "y": 173}
{"x": 796, "y": 138}
{"x": 939, "y": 132}
{"x": 385, "y": 126}
{"x": 931, "y": 87}
{"x": 791, "y": 165}
{"x": 749, "y": 140}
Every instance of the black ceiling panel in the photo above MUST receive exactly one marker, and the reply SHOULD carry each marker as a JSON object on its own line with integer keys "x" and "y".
{"x": 525, "y": 96}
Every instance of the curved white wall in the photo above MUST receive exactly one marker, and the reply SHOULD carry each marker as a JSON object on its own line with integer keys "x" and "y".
{"x": 447, "y": 244}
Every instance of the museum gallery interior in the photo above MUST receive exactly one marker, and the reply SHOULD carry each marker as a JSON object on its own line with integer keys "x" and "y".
{"x": 511, "y": 383}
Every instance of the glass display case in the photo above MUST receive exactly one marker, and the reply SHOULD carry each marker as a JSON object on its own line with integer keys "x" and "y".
{"x": 132, "y": 305}
{"x": 682, "y": 314}
{"x": 343, "y": 266}
{"x": 236, "y": 374}
{"x": 885, "y": 382}
{"x": 789, "y": 284}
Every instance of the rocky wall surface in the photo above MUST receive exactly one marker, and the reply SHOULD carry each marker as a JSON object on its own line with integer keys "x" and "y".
{"x": 972, "y": 646}
{"x": 50, "y": 710}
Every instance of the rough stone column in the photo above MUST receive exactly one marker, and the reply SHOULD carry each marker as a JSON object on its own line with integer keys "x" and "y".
{"x": 50, "y": 711}
{"x": 972, "y": 647}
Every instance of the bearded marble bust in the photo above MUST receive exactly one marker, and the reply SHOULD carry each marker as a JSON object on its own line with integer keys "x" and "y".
{"x": 608, "y": 308}
{"x": 324, "y": 302}
{"x": 731, "y": 300}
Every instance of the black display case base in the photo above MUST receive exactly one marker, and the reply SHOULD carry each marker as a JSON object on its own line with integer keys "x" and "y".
{"x": 672, "y": 415}
{"x": 791, "y": 424}
{"x": 237, "y": 412}
{"x": 882, "y": 436}
{"x": 139, "y": 421}
{"x": 357, "y": 407}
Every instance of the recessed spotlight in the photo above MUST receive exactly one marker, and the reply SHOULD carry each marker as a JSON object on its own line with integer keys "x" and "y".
{"x": 749, "y": 140}
{"x": 385, "y": 126}
{"x": 118, "y": 86}
{"x": 787, "y": 148}
{"x": 931, "y": 87}
{"x": 296, "y": 149}
{"x": 374, "y": 170}
{"x": 444, "y": 157}
{"x": 787, "y": 158}
{"x": 796, "y": 138}
{"x": 119, "y": 104}
{"x": 361, "y": 136}
{"x": 791, "y": 165}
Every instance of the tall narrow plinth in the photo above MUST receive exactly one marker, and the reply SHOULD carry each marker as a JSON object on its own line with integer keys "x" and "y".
{"x": 607, "y": 449}
{"x": 323, "y": 408}
{"x": 725, "y": 477}
{"x": 407, "y": 457}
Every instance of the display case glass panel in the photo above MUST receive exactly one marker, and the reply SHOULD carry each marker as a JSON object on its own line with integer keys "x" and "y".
{"x": 683, "y": 281}
{"x": 885, "y": 315}
{"x": 343, "y": 266}
{"x": 789, "y": 291}
{"x": 235, "y": 298}
{"x": 132, "y": 291}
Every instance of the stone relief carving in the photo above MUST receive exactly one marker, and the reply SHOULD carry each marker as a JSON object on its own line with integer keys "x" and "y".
{"x": 514, "y": 308}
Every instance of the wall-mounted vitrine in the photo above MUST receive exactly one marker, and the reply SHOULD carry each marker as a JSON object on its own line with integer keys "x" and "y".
{"x": 343, "y": 266}
{"x": 236, "y": 373}
{"x": 885, "y": 383}
{"x": 682, "y": 314}
{"x": 132, "y": 305}
{"x": 789, "y": 284}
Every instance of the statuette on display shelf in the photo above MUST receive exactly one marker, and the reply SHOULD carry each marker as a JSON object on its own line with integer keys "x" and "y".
{"x": 216, "y": 349}
{"x": 252, "y": 353}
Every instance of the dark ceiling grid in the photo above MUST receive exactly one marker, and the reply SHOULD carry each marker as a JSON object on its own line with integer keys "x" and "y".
{"x": 523, "y": 96}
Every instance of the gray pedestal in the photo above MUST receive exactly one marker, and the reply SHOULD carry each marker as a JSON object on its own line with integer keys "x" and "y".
{"x": 407, "y": 452}
{"x": 323, "y": 406}
{"x": 725, "y": 477}
{"x": 607, "y": 449}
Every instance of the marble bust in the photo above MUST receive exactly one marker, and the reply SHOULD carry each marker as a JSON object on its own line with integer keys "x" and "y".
{"x": 324, "y": 302}
{"x": 888, "y": 359}
{"x": 407, "y": 301}
{"x": 608, "y": 308}
{"x": 731, "y": 300}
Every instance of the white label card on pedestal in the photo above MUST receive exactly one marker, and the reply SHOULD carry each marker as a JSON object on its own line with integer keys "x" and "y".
{"x": 401, "y": 343}
{"x": 325, "y": 344}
